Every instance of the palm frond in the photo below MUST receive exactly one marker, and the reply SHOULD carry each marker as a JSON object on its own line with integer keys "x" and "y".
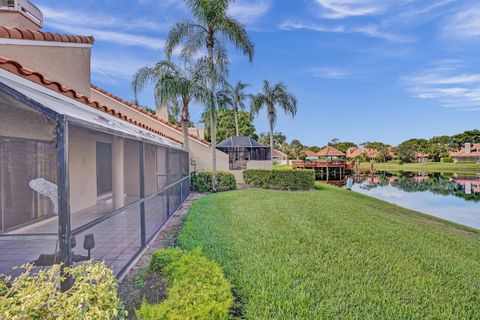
{"x": 237, "y": 34}
{"x": 179, "y": 32}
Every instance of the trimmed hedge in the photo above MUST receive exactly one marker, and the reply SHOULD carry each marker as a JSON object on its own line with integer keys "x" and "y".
{"x": 202, "y": 181}
{"x": 290, "y": 180}
{"x": 197, "y": 288}
{"x": 447, "y": 160}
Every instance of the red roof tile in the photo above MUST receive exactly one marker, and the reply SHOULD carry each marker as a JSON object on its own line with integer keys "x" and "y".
{"x": 330, "y": 152}
{"x": 36, "y": 77}
{"x": 26, "y": 34}
{"x": 131, "y": 105}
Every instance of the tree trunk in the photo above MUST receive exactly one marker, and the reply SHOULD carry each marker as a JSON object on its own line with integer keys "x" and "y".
{"x": 210, "y": 45}
{"x": 185, "y": 121}
{"x": 235, "y": 113}
{"x": 271, "y": 139}
{"x": 214, "y": 146}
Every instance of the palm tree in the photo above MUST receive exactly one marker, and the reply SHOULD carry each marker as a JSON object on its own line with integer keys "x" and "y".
{"x": 173, "y": 84}
{"x": 237, "y": 97}
{"x": 271, "y": 98}
{"x": 210, "y": 29}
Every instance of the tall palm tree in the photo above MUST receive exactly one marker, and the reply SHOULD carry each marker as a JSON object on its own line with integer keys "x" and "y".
{"x": 174, "y": 83}
{"x": 210, "y": 29}
{"x": 237, "y": 97}
{"x": 272, "y": 97}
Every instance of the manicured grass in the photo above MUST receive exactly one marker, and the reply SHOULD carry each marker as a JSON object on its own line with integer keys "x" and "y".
{"x": 335, "y": 254}
{"x": 282, "y": 167}
{"x": 428, "y": 167}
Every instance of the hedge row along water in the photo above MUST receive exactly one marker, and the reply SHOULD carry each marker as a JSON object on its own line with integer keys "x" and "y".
{"x": 291, "y": 180}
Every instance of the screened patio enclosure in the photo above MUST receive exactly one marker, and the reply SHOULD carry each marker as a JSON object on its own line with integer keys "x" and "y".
{"x": 241, "y": 150}
{"x": 69, "y": 171}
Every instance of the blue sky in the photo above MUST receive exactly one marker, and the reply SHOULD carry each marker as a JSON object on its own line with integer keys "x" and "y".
{"x": 362, "y": 70}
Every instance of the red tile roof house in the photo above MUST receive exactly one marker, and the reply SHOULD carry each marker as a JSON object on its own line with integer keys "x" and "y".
{"x": 76, "y": 160}
{"x": 370, "y": 153}
{"x": 421, "y": 157}
{"x": 469, "y": 153}
{"x": 279, "y": 157}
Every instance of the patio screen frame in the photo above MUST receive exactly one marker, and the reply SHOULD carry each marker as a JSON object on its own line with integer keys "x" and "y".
{"x": 65, "y": 231}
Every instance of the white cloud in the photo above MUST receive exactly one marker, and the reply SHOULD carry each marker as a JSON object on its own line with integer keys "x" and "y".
{"x": 94, "y": 20}
{"x": 464, "y": 24}
{"x": 107, "y": 69}
{"x": 249, "y": 12}
{"x": 122, "y": 38}
{"x": 447, "y": 85}
{"x": 329, "y": 73}
{"x": 369, "y": 30}
{"x": 338, "y": 9}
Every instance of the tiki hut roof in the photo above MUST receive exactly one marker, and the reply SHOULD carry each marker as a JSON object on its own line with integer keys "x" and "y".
{"x": 330, "y": 152}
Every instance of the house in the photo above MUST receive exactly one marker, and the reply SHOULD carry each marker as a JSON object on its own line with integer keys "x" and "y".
{"x": 370, "y": 153}
{"x": 469, "y": 153}
{"x": 82, "y": 171}
{"x": 279, "y": 157}
{"x": 421, "y": 157}
{"x": 310, "y": 154}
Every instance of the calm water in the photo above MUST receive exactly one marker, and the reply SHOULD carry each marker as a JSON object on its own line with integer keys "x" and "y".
{"x": 447, "y": 196}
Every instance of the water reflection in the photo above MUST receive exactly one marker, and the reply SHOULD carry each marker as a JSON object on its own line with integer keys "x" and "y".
{"x": 445, "y": 195}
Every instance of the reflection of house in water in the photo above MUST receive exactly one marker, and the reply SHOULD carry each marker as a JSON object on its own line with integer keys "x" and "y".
{"x": 470, "y": 184}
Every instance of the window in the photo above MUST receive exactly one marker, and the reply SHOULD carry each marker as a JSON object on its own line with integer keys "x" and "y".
{"x": 22, "y": 162}
{"x": 104, "y": 168}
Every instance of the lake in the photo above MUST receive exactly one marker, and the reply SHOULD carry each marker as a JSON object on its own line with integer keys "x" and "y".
{"x": 448, "y": 196}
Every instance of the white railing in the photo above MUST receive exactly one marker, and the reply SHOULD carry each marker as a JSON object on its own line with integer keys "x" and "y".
{"x": 25, "y": 7}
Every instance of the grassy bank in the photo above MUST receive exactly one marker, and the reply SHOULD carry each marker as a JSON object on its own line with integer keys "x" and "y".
{"x": 336, "y": 254}
{"x": 467, "y": 168}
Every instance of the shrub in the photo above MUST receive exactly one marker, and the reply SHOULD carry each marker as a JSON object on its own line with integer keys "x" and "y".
{"x": 291, "y": 180}
{"x": 197, "y": 288}
{"x": 447, "y": 160}
{"x": 37, "y": 295}
{"x": 202, "y": 181}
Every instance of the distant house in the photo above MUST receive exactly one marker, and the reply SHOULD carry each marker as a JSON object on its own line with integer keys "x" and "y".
{"x": 421, "y": 157}
{"x": 279, "y": 157}
{"x": 310, "y": 154}
{"x": 469, "y": 153}
{"x": 370, "y": 153}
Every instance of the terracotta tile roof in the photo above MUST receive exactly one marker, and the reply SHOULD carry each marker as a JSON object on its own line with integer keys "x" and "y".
{"x": 26, "y": 34}
{"x": 151, "y": 115}
{"x": 309, "y": 153}
{"x": 369, "y": 152}
{"x": 278, "y": 154}
{"x": 16, "y": 68}
{"x": 474, "y": 151}
{"x": 330, "y": 152}
{"x": 356, "y": 152}
{"x": 421, "y": 155}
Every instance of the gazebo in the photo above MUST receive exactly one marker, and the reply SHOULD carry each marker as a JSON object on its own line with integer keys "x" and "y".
{"x": 242, "y": 149}
{"x": 330, "y": 153}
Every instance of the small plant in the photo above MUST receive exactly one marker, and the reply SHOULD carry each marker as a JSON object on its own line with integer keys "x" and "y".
{"x": 140, "y": 277}
{"x": 37, "y": 294}
{"x": 282, "y": 179}
{"x": 202, "y": 181}
{"x": 197, "y": 288}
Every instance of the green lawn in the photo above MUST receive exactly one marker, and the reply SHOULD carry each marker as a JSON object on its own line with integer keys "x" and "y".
{"x": 466, "y": 168}
{"x": 335, "y": 254}
{"x": 282, "y": 167}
